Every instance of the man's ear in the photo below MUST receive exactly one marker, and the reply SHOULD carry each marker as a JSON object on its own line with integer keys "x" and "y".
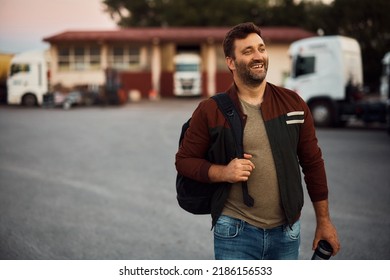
{"x": 230, "y": 63}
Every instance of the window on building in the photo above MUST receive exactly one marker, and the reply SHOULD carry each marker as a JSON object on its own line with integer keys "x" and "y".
{"x": 134, "y": 56}
{"x": 79, "y": 58}
{"x": 118, "y": 57}
{"x": 124, "y": 57}
{"x": 94, "y": 57}
{"x": 64, "y": 58}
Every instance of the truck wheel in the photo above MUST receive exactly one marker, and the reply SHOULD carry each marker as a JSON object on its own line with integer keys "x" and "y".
{"x": 322, "y": 113}
{"x": 29, "y": 100}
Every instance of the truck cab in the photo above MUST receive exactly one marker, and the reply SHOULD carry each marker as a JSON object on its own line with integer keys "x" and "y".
{"x": 28, "y": 79}
{"x": 327, "y": 73}
{"x": 187, "y": 78}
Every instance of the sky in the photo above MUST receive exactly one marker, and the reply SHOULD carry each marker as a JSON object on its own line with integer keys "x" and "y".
{"x": 24, "y": 23}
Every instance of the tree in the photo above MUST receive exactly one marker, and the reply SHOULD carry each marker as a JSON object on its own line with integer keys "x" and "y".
{"x": 182, "y": 13}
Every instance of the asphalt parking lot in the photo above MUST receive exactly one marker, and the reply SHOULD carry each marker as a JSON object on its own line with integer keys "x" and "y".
{"x": 99, "y": 183}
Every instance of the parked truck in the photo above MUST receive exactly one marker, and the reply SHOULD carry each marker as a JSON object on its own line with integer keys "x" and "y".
{"x": 28, "y": 79}
{"x": 327, "y": 72}
{"x": 187, "y": 78}
{"x": 28, "y": 84}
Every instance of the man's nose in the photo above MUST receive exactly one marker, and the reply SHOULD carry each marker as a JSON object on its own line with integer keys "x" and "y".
{"x": 257, "y": 54}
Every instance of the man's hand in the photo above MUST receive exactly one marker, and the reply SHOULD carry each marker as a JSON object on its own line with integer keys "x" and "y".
{"x": 236, "y": 171}
{"x": 325, "y": 230}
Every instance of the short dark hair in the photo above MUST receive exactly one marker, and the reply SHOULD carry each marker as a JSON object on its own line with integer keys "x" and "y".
{"x": 240, "y": 31}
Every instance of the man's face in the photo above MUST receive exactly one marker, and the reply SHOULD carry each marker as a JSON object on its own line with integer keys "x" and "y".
{"x": 251, "y": 60}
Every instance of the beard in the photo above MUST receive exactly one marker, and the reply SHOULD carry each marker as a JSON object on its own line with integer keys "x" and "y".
{"x": 248, "y": 76}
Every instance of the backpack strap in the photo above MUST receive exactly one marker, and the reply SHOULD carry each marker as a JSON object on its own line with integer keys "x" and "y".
{"x": 227, "y": 107}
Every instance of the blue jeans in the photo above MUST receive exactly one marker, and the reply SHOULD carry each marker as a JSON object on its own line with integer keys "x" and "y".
{"x": 235, "y": 239}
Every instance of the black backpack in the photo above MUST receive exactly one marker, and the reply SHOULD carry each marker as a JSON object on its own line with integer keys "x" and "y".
{"x": 195, "y": 197}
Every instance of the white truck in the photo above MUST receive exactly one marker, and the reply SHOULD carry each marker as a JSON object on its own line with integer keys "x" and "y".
{"x": 28, "y": 79}
{"x": 327, "y": 72}
{"x": 28, "y": 84}
{"x": 187, "y": 78}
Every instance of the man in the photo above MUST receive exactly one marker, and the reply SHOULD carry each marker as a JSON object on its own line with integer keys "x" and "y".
{"x": 278, "y": 136}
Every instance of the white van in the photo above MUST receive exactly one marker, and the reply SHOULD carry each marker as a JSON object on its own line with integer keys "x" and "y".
{"x": 28, "y": 78}
{"x": 187, "y": 78}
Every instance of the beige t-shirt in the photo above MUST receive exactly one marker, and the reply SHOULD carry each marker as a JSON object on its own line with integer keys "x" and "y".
{"x": 267, "y": 211}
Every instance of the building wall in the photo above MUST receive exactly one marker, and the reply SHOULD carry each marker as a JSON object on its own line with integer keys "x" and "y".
{"x": 279, "y": 63}
{"x": 155, "y": 71}
{"x": 70, "y": 78}
{"x": 140, "y": 81}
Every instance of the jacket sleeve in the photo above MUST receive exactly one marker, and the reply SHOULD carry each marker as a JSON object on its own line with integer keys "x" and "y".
{"x": 190, "y": 158}
{"x": 311, "y": 161}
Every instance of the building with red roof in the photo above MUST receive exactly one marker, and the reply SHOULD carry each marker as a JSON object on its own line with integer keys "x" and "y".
{"x": 144, "y": 56}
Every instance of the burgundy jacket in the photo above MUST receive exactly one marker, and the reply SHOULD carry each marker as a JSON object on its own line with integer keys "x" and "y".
{"x": 291, "y": 134}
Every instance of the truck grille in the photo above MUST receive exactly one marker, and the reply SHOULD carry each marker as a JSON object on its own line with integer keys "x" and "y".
{"x": 187, "y": 84}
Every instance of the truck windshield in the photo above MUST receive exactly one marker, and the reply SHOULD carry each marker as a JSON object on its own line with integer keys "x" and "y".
{"x": 303, "y": 65}
{"x": 19, "y": 67}
{"x": 187, "y": 67}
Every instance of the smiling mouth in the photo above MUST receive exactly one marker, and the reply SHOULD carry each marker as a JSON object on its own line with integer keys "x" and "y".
{"x": 257, "y": 66}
